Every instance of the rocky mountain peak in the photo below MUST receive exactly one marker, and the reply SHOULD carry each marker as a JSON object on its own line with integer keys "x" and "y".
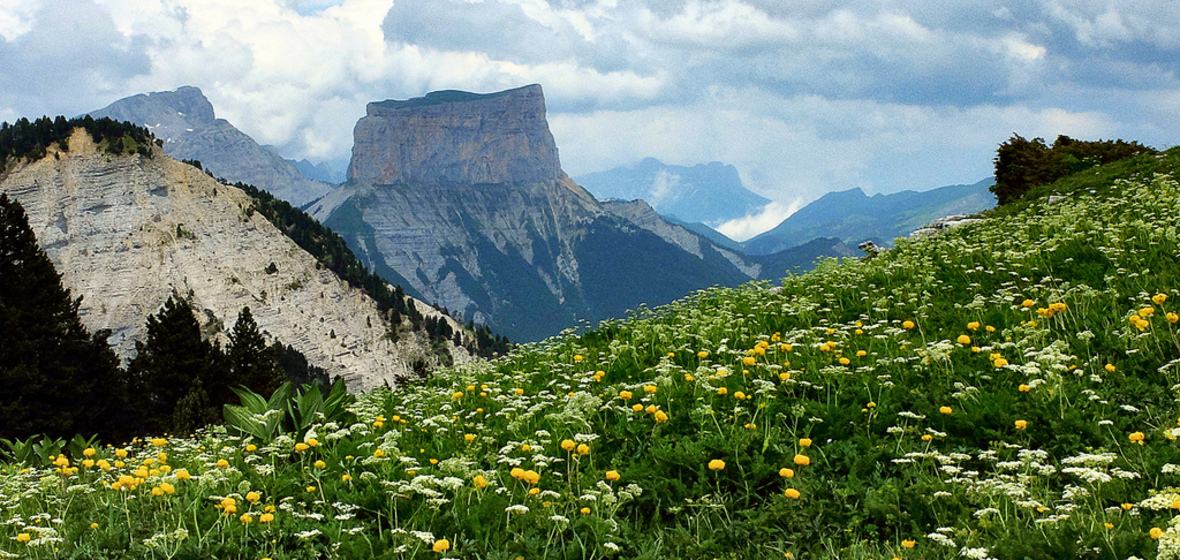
{"x": 454, "y": 137}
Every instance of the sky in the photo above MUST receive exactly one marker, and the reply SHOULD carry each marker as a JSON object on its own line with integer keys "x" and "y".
{"x": 803, "y": 97}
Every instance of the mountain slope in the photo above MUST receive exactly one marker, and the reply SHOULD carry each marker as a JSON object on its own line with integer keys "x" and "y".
{"x": 710, "y": 192}
{"x": 128, "y": 231}
{"x": 854, "y": 217}
{"x": 184, "y": 120}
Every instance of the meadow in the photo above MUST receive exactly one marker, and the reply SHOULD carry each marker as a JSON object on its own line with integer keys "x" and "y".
{"x": 1005, "y": 389}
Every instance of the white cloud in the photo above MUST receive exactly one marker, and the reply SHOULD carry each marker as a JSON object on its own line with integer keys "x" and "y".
{"x": 761, "y": 221}
{"x": 16, "y": 18}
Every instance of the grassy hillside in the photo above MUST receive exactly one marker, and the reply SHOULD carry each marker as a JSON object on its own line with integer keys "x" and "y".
{"x": 1006, "y": 389}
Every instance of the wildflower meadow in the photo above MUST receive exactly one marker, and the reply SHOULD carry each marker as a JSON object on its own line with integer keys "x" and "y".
{"x": 1005, "y": 389}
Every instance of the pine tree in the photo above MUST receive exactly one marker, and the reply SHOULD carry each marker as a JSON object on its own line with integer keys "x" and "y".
{"x": 55, "y": 378}
{"x": 170, "y": 362}
{"x": 251, "y": 362}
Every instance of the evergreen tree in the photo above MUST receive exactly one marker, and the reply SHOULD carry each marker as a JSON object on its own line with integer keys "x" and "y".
{"x": 251, "y": 362}
{"x": 55, "y": 378}
{"x": 170, "y": 362}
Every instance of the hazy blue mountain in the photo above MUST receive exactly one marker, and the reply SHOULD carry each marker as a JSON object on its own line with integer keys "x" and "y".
{"x": 854, "y": 217}
{"x": 709, "y": 192}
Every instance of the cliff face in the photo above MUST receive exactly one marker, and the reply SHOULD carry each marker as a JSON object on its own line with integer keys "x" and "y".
{"x": 184, "y": 120}
{"x": 128, "y": 231}
{"x": 458, "y": 138}
{"x": 462, "y": 197}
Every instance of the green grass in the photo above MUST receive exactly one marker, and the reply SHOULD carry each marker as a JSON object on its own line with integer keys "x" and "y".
{"x": 860, "y": 358}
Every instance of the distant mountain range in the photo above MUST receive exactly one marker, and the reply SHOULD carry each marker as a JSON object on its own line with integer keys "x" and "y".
{"x": 185, "y": 121}
{"x": 710, "y": 192}
{"x": 853, "y": 217}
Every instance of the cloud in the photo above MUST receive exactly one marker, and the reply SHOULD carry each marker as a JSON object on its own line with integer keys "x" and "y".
{"x": 761, "y": 221}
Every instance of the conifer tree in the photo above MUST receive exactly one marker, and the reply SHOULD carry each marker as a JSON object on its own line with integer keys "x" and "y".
{"x": 170, "y": 362}
{"x": 55, "y": 378}
{"x": 251, "y": 362}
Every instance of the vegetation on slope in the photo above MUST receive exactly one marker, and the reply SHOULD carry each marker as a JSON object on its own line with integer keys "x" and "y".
{"x": 31, "y": 139}
{"x": 1004, "y": 389}
{"x": 1024, "y": 164}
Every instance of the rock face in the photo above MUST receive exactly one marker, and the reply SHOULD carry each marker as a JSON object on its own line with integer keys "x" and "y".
{"x": 453, "y": 137}
{"x": 460, "y": 198}
{"x": 184, "y": 120}
{"x": 128, "y": 231}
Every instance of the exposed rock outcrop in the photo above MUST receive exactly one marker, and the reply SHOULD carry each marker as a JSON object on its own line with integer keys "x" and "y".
{"x": 128, "y": 231}
{"x": 460, "y": 198}
{"x": 183, "y": 119}
{"x": 453, "y": 137}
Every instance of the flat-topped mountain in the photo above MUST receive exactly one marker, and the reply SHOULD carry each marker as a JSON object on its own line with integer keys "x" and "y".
{"x": 126, "y": 231}
{"x": 185, "y": 121}
{"x": 456, "y": 137}
{"x": 460, "y": 198}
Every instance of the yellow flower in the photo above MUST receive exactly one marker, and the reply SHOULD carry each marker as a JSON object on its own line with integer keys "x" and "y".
{"x": 379, "y": 453}
{"x": 927, "y": 437}
{"x": 1027, "y": 303}
{"x": 722, "y": 391}
{"x": 457, "y": 395}
{"x": 518, "y": 391}
{"x": 159, "y": 442}
{"x": 94, "y": 525}
{"x": 688, "y": 377}
{"x": 89, "y": 452}
{"x": 516, "y": 473}
{"x": 1108, "y": 525}
{"x": 784, "y": 376}
{"x": 973, "y": 325}
{"x": 526, "y": 447}
{"x": 1021, "y": 424}
{"x": 805, "y": 442}
{"x": 1024, "y": 388}
{"x": 649, "y": 389}
{"x": 786, "y": 473}
{"x": 661, "y": 416}
{"x": 167, "y": 488}
{"x": 568, "y": 444}
{"x": 945, "y": 410}
{"x": 802, "y": 460}
{"x": 786, "y": 347}
{"x": 157, "y": 491}
{"x": 1173, "y": 318}
{"x": 1136, "y": 437}
{"x": 637, "y": 407}
{"x": 319, "y": 464}
{"x": 908, "y": 325}
{"x": 530, "y": 476}
{"x": 469, "y": 438}
{"x": 441, "y": 545}
{"x": 346, "y": 477}
{"x": 999, "y": 362}
{"x": 739, "y": 396}
{"x": 182, "y": 474}
{"x": 246, "y": 519}
{"x": 480, "y": 482}
{"x": 585, "y": 511}
{"x": 625, "y": 395}
{"x": 24, "y": 537}
{"x": 1110, "y": 368}
{"x": 222, "y": 464}
{"x": 1156, "y": 532}
{"x": 266, "y": 518}
{"x": 578, "y": 357}
{"x": 908, "y": 544}
{"x": 1146, "y": 312}
{"x": 749, "y": 360}
{"x": 716, "y": 465}
{"x": 301, "y": 447}
{"x": 583, "y": 449}
{"x": 651, "y": 408}
{"x": 310, "y": 488}
{"x": 1126, "y": 506}
{"x": 792, "y": 493}
{"x": 612, "y": 475}
{"x": 702, "y": 354}
{"x": 861, "y": 353}
{"x": 845, "y": 361}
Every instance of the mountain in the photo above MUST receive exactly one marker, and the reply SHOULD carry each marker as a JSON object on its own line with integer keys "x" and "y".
{"x": 185, "y": 121}
{"x": 854, "y": 217}
{"x": 462, "y": 197}
{"x": 128, "y": 230}
{"x": 709, "y": 192}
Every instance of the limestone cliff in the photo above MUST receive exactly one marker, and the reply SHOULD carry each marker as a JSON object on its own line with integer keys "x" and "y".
{"x": 184, "y": 120}
{"x": 127, "y": 231}
{"x": 461, "y": 197}
{"x": 458, "y": 138}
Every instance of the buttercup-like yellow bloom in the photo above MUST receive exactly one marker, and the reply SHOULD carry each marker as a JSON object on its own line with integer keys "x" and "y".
{"x": 1021, "y": 424}
{"x": 612, "y": 475}
{"x": 786, "y": 473}
{"x": 716, "y": 465}
{"x": 802, "y": 460}
{"x": 441, "y": 545}
{"x": 908, "y": 325}
{"x": 945, "y": 410}
{"x": 792, "y": 493}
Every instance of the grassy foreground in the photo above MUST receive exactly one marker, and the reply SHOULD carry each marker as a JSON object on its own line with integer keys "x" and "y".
{"x": 1007, "y": 389}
